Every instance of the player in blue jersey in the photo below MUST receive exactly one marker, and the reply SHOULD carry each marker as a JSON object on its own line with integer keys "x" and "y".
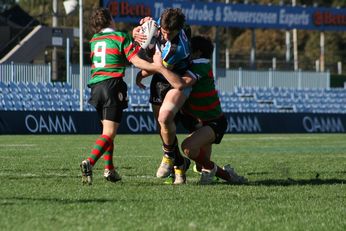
{"x": 173, "y": 51}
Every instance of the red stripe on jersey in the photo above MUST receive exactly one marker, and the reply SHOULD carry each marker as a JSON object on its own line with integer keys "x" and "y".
{"x": 114, "y": 37}
{"x": 210, "y": 74}
{"x": 203, "y": 94}
{"x": 113, "y": 51}
{"x": 128, "y": 48}
{"x": 135, "y": 52}
{"x": 111, "y": 74}
{"x": 111, "y": 65}
{"x": 205, "y": 108}
{"x": 109, "y": 51}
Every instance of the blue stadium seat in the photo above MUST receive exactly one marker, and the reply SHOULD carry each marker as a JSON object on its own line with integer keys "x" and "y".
{"x": 2, "y": 85}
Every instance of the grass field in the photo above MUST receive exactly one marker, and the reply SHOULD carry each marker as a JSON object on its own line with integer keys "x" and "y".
{"x": 296, "y": 182}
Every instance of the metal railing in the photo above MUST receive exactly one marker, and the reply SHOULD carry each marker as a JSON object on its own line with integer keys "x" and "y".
{"x": 25, "y": 73}
{"x": 226, "y": 80}
{"x": 288, "y": 79}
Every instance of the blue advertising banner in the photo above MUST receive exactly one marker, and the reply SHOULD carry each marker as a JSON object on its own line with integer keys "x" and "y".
{"x": 233, "y": 15}
{"x": 35, "y": 122}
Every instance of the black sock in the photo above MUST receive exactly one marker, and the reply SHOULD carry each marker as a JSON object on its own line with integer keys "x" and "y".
{"x": 169, "y": 150}
{"x": 179, "y": 159}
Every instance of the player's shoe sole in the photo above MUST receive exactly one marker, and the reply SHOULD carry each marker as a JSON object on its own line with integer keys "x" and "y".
{"x": 86, "y": 170}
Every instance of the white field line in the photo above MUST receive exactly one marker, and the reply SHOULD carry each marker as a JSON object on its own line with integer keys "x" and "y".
{"x": 24, "y": 175}
{"x": 18, "y": 145}
{"x": 272, "y": 138}
{"x": 4, "y": 174}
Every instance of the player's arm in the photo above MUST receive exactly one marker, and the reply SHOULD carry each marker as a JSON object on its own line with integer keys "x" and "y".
{"x": 171, "y": 77}
{"x": 152, "y": 68}
{"x": 188, "y": 79}
{"x": 140, "y": 76}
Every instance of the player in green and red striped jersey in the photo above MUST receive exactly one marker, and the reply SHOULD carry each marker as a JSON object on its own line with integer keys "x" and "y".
{"x": 111, "y": 51}
{"x": 203, "y": 117}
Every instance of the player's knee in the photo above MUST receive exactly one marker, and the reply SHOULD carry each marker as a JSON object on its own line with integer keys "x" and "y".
{"x": 188, "y": 149}
{"x": 167, "y": 113}
{"x": 165, "y": 117}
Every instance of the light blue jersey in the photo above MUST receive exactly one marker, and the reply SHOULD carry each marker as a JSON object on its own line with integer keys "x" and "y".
{"x": 176, "y": 53}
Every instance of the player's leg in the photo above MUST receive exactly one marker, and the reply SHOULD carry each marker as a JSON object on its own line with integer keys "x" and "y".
{"x": 110, "y": 128}
{"x": 208, "y": 175}
{"x": 198, "y": 147}
{"x": 198, "y": 167}
{"x": 158, "y": 90}
{"x": 173, "y": 101}
{"x": 102, "y": 143}
{"x": 166, "y": 166}
{"x": 109, "y": 99}
{"x": 112, "y": 112}
{"x": 226, "y": 173}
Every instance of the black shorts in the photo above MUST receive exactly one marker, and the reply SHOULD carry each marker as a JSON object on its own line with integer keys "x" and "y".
{"x": 109, "y": 97}
{"x": 159, "y": 87}
{"x": 218, "y": 125}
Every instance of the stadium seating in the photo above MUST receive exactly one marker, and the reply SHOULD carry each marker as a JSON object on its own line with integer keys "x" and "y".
{"x": 61, "y": 96}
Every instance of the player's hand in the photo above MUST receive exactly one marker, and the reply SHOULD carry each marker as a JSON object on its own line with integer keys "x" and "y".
{"x": 137, "y": 35}
{"x": 157, "y": 59}
{"x": 143, "y": 20}
{"x": 139, "y": 78}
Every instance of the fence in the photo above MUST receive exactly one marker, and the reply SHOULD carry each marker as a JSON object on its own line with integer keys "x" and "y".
{"x": 270, "y": 78}
{"x": 25, "y": 72}
{"x": 226, "y": 80}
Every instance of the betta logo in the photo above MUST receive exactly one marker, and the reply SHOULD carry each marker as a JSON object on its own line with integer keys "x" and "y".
{"x": 125, "y": 9}
{"x": 329, "y": 19}
{"x": 318, "y": 18}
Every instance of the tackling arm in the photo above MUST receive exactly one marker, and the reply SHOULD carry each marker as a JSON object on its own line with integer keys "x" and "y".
{"x": 172, "y": 78}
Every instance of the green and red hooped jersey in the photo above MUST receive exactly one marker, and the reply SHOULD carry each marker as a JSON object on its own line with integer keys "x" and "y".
{"x": 110, "y": 52}
{"x": 203, "y": 102}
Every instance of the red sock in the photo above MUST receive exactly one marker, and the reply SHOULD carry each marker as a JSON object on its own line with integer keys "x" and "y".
{"x": 101, "y": 145}
{"x": 108, "y": 157}
{"x": 202, "y": 160}
{"x": 208, "y": 164}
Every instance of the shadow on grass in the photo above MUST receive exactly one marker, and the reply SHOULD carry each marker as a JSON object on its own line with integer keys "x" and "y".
{"x": 290, "y": 182}
{"x": 27, "y": 177}
{"x": 29, "y": 200}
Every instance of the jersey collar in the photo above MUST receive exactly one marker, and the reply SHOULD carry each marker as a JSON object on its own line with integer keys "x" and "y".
{"x": 107, "y": 30}
{"x": 201, "y": 60}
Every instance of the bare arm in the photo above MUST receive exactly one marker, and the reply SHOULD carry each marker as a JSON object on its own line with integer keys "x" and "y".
{"x": 145, "y": 65}
{"x": 175, "y": 80}
{"x": 141, "y": 75}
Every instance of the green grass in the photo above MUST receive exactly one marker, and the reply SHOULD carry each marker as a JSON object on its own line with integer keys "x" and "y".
{"x": 296, "y": 182}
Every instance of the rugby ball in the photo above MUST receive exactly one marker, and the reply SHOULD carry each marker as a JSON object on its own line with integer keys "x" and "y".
{"x": 149, "y": 28}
